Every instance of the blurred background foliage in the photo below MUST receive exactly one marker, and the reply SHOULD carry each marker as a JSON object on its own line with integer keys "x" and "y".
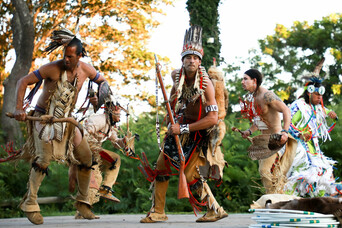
{"x": 241, "y": 181}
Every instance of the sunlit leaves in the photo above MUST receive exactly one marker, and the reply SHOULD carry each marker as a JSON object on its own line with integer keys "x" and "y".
{"x": 116, "y": 33}
{"x": 268, "y": 51}
{"x": 334, "y": 18}
{"x": 297, "y": 50}
{"x": 282, "y": 31}
{"x": 283, "y": 95}
{"x": 336, "y": 89}
{"x": 336, "y": 53}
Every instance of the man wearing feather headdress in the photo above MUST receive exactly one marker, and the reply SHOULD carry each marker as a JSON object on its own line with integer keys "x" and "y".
{"x": 311, "y": 173}
{"x": 262, "y": 107}
{"x": 61, "y": 142}
{"x": 196, "y": 116}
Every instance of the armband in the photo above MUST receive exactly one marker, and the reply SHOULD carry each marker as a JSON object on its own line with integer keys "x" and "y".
{"x": 38, "y": 75}
{"x": 286, "y": 131}
{"x": 184, "y": 128}
{"x": 211, "y": 108}
{"x": 96, "y": 77}
{"x": 29, "y": 97}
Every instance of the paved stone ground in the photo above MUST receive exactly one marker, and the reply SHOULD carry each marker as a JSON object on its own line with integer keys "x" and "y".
{"x": 130, "y": 221}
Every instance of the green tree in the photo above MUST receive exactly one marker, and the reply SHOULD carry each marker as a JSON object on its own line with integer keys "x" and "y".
{"x": 294, "y": 52}
{"x": 290, "y": 53}
{"x": 205, "y": 14}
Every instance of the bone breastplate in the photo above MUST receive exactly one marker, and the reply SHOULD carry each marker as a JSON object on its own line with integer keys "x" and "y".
{"x": 190, "y": 94}
{"x": 62, "y": 102}
{"x": 193, "y": 92}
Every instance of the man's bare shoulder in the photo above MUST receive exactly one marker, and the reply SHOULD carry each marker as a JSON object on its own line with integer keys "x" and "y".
{"x": 210, "y": 91}
{"x": 269, "y": 97}
{"x": 51, "y": 70}
{"x": 88, "y": 69}
{"x": 85, "y": 66}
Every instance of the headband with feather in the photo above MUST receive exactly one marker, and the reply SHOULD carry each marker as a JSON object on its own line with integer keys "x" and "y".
{"x": 314, "y": 76}
{"x": 61, "y": 37}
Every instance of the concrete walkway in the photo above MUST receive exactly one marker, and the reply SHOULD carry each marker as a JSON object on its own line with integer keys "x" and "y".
{"x": 130, "y": 221}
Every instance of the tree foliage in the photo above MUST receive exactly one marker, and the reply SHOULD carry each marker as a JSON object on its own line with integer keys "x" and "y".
{"x": 290, "y": 53}
{"x": 205, "y": 14}
{"x": 116, "y": 33}
{"x": 293, "y": 52}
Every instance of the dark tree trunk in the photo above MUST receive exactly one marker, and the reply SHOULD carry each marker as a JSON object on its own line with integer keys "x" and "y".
{"x": 23, "y": 41}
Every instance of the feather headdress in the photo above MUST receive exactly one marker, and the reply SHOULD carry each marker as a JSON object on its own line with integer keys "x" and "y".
{"x": 192, "y": 44}
{"x": 61, "y": 37}
{"x": 314, "y": 76}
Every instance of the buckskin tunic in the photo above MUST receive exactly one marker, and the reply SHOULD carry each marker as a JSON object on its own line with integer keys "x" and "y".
{"x": 55, "y": 142}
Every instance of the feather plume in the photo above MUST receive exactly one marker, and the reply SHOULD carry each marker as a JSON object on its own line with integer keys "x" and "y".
{"x": 318, "y": 67}
{"x": 59, "y": 38}
{"x": 314, "y": 76}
